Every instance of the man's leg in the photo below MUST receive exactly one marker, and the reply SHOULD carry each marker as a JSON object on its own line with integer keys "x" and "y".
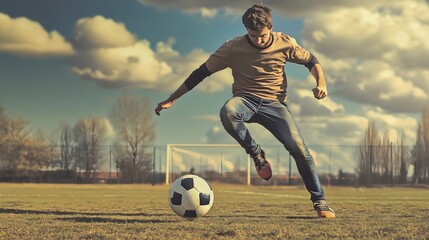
{"x": 277, "y": 118}
{"x": 233, "y": 115}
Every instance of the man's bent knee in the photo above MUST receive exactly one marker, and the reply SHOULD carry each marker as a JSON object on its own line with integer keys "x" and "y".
{"x": 228, "y": 112}
{"x": 227, "y": 117}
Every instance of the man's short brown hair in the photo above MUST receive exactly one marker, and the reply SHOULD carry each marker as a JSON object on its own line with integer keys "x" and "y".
{"x": 257, "y": 17}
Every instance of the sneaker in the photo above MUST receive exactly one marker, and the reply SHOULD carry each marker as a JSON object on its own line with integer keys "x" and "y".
{"x": 323, "y": 209}
{"x": 263, "y": 167}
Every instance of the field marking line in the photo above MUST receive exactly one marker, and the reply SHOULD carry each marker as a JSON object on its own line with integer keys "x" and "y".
{"x": 26, "y": 194}
{"x": 116, "y": 195}
{"x": 263, "y": 194}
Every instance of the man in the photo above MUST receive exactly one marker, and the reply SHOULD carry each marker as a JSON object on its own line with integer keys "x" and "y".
{"x": 257, "y": 61}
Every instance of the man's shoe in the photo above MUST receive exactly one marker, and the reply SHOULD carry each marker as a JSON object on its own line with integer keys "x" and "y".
{"x": 323, "y": 209}
{"x": 263, "y": 167}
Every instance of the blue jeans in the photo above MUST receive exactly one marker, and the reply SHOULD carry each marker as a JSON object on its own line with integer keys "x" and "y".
{"x": 275, "y": 117}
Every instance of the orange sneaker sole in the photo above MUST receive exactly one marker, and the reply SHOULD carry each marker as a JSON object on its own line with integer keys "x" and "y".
{"x": 326, "y": 214}
{"x": 265, "y": 173}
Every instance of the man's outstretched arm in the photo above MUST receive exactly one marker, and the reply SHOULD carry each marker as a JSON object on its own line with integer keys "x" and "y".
{"x": 320, "y": 91}
{"x": 193, "y": 80}
{"x": 166, "y": 104}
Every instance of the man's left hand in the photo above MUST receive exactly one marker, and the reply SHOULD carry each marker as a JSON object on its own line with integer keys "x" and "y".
{"x": 320, "y": 92}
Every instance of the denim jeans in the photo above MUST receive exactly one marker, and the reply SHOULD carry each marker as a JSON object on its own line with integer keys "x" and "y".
{"x": 276, "y": 118}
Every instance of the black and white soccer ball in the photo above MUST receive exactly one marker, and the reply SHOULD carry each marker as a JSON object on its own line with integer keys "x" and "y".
{"x": 190, "y": 196}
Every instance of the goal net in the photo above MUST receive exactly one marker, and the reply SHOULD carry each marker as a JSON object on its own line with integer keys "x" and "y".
{"x": 227, "y": 163}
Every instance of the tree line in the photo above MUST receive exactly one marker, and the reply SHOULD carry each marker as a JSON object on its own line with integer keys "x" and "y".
{"x": 79, "y": 150}
{"x": 25, "y": 155}
{"x": 380, "y": 161}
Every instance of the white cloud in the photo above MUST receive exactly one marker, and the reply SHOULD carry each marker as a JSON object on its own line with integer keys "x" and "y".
{"x": 374, "y": 55}
{"x": 420, "y": 78}
{"x": 394, "y": 33}
{"x": 208, "y": 13}
{"x": 110, "y": 132}
{"x": 304, "y": 104}
{"x": 25, "y": 37}
{"x": 379, "y": 84}
{"x": 99, "y": 32}
{"x": 134, "y": 65}
{"x": 207, "y": 117}
{"x": 394, "y": 125}
{"x": 115, "y": 58}
{"x": 333, "y": 158}
{"x": 218, "y": 135}
{"x": 348, "y": 128}
{"x": 344, "y": 129}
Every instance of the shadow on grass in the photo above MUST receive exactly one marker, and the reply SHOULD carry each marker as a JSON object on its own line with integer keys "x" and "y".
{"x": 47, "y": 212}
{"x": 238, "y": 216}
{"x": 111, "y": 220}
{"x": 301, "y": 217}
{"x": 247, "y": 216}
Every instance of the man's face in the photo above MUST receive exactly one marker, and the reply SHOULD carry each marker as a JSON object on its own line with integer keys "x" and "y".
{"x": 260, "y": 38}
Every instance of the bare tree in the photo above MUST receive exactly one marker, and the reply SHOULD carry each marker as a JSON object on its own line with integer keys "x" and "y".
{"x": 13, "y": 137}
{"x": 66, "y": 146}
{"x": 89, "y": 135}
{"x": 3, "y": 119}
{"x": 404, "y": 160}
{"x": 38, "y": 154}
{"x": 379, "y": 160}
{"x": 421, "y": 150}
{"x": 22, "y": 154}
{"x": 132, "y": 119}
{"x": 384, "y": 158}
{"x": 368, "y": 152}
{"x": 418, "y": 151}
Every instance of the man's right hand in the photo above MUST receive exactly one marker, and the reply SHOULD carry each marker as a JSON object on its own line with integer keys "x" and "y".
{"x": 173, "y": 97}
{"x": 163, "y": 105}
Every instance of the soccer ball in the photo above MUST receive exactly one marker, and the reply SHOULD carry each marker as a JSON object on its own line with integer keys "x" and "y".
{"x": 190, "y": 196}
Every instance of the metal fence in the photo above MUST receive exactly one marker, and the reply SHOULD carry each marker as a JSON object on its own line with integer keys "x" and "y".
{"x": 335, "y": 164}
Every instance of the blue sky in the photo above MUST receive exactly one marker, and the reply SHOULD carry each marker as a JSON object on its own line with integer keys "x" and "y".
{"x": 45, "y": 92}
{"x": 65, "y": 60}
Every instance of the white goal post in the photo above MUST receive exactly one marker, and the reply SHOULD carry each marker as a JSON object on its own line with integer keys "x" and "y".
{"x": 174, "y": 149}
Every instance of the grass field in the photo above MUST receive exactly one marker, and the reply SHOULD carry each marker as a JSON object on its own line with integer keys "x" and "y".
{"x": 33, "y": 211}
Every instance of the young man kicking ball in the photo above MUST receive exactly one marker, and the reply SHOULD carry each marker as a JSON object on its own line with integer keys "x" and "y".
{"x": 257, "y": 61}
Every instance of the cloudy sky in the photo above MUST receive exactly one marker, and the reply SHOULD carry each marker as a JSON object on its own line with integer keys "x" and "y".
{"x": 64, "y": 60}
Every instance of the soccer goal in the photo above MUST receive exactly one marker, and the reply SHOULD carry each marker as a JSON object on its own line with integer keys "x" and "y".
{"x": 226, "y": 163}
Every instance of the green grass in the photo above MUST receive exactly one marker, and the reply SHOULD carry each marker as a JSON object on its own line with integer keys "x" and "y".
{"x": 33, "y": 211}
